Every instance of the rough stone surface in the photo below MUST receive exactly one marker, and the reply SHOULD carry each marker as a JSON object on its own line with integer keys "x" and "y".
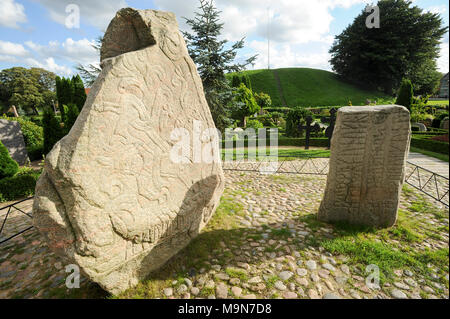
{"x": 111, "y": 199}
{"x": 12, "y": 137}
{"x": 367, "y": 165}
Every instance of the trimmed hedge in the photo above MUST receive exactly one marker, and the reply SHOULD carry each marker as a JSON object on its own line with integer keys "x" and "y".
{"x": 430, "y": 145}
{"x": 18, "y": 186}
{"x": 289, "y": 141}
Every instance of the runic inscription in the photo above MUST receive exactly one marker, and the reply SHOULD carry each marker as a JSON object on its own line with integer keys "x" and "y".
{"x": 110, "y": 198}
{"x": 369, "y": 148}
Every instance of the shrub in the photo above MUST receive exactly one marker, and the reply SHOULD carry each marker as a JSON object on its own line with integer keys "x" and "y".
{"x": 438, "y": 119}
{"x": 289, "y": 141}
{"x": 18, "y": 186}
{"x": 236, "y": 81}
{"x": 430, "y": 145}
{"x": 245, "y": 103}
{"x": 405, "y": 94}
{"x": 263, "y": 99}
{"x": 297, "y": 116}
{"x": 254, "y": 124}
{"x": 8, "y": 166}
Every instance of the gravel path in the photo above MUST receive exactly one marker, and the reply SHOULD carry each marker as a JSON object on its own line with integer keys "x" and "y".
{"x": 263, "y": 242}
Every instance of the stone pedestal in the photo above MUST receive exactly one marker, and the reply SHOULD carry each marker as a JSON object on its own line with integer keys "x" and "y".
{"x": 369, "y": 149}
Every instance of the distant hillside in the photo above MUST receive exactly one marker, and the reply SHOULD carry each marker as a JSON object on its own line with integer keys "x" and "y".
{"x": 308, "y": 87}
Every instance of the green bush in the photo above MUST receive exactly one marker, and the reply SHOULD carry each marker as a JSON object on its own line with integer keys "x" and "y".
{"x": 18, "y": 186}
{"x": 254, "y": 124}
{"x": 263, "y": 99}
{"x": 405, "y": 94}
{"x": 8, "y": 166}
{"x": 430, "y": 145}
{"x": 297, "y": 116}
{"x": 245, "y": 103}
{"x": 289, "y": 141}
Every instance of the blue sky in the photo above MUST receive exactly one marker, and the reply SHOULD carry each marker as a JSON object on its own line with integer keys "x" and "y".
{"x": 35, "y": 32}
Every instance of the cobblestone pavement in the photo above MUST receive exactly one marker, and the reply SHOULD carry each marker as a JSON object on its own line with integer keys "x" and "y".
{"x": 263, "y": 242}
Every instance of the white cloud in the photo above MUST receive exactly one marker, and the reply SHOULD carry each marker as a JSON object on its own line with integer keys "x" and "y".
{"x": 50, "y": 65}
{"x": 293, "y": 24}
{"x": 97, "y": 13}
{"x": 288, "y": 55}
{"x": 442, "y": 62}
{"x": 442, "y": 9}
{"x": 8, "y": 58}
{"x": 12, "y": 14}
{"x": 80, "y": 51}
{"x": 14, "y": 49}
{"x": 297, "y": 21}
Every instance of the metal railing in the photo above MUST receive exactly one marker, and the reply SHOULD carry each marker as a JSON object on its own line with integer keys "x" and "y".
{"x": 10, "y": 209}
{"x": 430, "y": 183}
{"x": 306, "y": 165}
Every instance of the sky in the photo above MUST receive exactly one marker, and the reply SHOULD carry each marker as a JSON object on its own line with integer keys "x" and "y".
{"x": 43, "y": 33}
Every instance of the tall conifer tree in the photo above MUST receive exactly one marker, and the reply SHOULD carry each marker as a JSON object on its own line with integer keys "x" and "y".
{"x": 214, "y": 60}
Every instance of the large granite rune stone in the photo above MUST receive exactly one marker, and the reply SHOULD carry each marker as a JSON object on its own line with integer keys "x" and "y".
{"x": 110, "y": 198}
{"x": 12, "y": 137}
{"x": 369, "y": 148}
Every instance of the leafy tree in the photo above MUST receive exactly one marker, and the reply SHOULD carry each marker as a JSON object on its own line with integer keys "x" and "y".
{"x": 236, "y": 81}
{"x": 213, "y": 60}
{"x": 26, "y": 94}
{"x": 53, "y": 131}
{"x": 296, "y": 116}
{"x": 425, "y": 78}
{"x": 8, "y": 166}
{"x": 246, "y": 104}
{"x": 254, "y": 124}
{"x": 405, "y": 94}
{"x": 71, "y": 116}
{"x": 79, "y": 97}
{"x": 407, "y": 40}
{"x": 276, "y": 117}
{"x": 27, "y": 89}
{"x": 263, "y": 99}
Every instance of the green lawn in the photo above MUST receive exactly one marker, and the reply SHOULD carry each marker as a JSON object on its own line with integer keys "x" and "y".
{"x": 444, "y": 102}
{"x": 311, "y": 87}
{"x": 442, "y": 157}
